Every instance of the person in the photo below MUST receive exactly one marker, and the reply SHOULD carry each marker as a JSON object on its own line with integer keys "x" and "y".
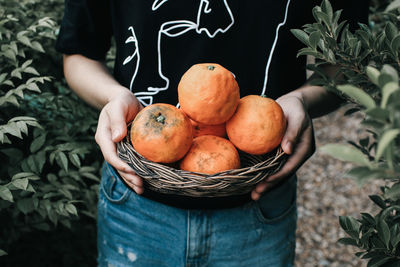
{"x": 156, "y": 42}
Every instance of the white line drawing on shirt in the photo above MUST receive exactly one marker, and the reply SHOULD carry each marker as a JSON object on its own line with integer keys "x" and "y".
{"x": 271, "y": 53}
{"x": 132, "y": 39}
{"x": 179, "y": 27}
{"x": 157, "y": 4}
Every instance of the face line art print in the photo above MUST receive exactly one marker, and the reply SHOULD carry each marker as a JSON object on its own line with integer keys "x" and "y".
{"x": 136, "y": 54}
{"x": 271, "y": 53}
{"x": 177, "y": 28}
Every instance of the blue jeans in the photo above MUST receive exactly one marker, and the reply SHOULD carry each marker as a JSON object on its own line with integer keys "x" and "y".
{"x": 136, "y": 231}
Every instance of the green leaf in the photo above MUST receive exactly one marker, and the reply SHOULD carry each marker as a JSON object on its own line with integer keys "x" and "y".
{"x": 3, "y": 253}
{"x": 301, "y": 35}
{"x": 327, "y": 8}
{"x": 378, "y": 114}
{"x": 31, "y": 71}
{"x": 390, "y": 71}
{"x": 393, "y": 192}
{"x": 6, "y": 194}
{"x": 90, "y": 176}
{"x": 37, "y": 46}
{"x": 362, "y": 174}
{"x": 40, "y": 159}
{"x": 28, "y": 175}
{"x": 309, "y": 52}
{"x": 373, "y": 74}
{"x": 314, "y": 39}
{"x": 395, "y": 4}
{"x": 62, "y": 160}
{"x": 21, "y": 183}
{"x": 383, "y": 231}
{"x": 385, "y": 78}
{"x": 74, "y": 158}
{"x": 37, "y": 143}
{"x": 10, "y": 54}
{"x": 387, "y": 91}
{"x": 71, "y": 209}
{"x": 11, "y": 128}
{"x": 348, "y": 241}
{"x": 390, "y": 30}
{"x": 65, "y": 192}
{"x": 395, "y": 235}
{"x": 346, "y": 153}
{"x": 395, "y": 44}
{"x": 33, "y": 87}
{"x": 358, "y": 95}
{"x": 23, "y": 39}
{"x": 321, "y": 16}
{"x": 350, "y": 226}
{"x": 378, "y": 261}
{"x": 387, "y": 137}
{"x": 25, "y": 205}
{"x": 368, "y": 218}
{"x": 378, "y": 201}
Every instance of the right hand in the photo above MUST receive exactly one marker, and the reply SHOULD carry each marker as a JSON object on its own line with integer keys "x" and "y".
{"x": 111, "y": 128}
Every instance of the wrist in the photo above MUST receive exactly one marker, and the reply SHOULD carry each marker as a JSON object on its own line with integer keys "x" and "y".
{"x": 118, "y": 91}
{"x": 299, "y": 95}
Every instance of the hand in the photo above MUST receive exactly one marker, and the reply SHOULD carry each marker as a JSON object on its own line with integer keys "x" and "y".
{"x": 298, "y": 142}
{"x": 111, "y": 128}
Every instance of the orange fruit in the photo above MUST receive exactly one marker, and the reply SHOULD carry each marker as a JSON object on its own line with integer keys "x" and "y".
{"x": 208, "y": 93}
{"x": 258, "y": 125}
{"x": 206, "y": 129}
{"x": 161, "y": 133}
{"x": 210, "y": 154}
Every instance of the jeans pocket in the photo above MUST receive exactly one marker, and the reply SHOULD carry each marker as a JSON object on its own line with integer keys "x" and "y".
{"x": 277, "y": 204}
{"x": 113, "y": 187}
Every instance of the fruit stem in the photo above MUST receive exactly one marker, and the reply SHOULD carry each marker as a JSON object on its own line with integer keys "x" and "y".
{"x": 160, "y": 118}
{"x": 210, "y": 67}
{"x": 265, "y": 96}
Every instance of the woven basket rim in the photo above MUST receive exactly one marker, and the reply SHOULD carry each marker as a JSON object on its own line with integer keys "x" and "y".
{"x": 170, "y": 180}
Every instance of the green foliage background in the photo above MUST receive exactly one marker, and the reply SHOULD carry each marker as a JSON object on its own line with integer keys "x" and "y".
{"x": 369, "y": 65}
{"x": 49, "y": 170}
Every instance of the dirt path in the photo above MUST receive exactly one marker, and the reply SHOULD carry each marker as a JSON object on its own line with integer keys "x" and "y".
{"x": 324, "y": 194}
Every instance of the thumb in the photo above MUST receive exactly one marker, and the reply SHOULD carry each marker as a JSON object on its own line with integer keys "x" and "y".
{"x": 293, "y": 131}
{"x": 117, "y": 123}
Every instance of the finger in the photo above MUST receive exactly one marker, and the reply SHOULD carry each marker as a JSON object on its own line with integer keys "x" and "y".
{"x": 260, "y": 188}
{"x": 303, "y": 151}
{"x": 117, "y": 115}
{"x": 133, "y": 181}
{"x": 131, "y": 178}
{"x": 138, "y": 190}
{"x": 109, "y": 149}
{"x": 295, "y": 126}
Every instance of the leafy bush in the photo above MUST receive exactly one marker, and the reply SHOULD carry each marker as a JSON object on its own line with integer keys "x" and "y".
{"x": 50, "y": 165}
{"x": 369, "y": 64}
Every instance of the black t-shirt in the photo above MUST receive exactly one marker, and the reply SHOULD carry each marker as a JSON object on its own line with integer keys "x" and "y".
{"x": 158, "y": 40}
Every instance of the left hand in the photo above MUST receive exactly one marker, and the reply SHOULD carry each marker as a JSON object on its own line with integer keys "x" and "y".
{"x": 298, "y": 142}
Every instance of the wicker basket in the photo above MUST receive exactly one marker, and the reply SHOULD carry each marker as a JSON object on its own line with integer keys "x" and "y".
{"x": 168, "y": 180}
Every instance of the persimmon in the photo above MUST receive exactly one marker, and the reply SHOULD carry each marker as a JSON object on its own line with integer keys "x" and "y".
{"x": 200, "y": 129}
{"x": 258, "y": 125}
{"x": 210, "y": 154}
{"x": 161, "y": 133}
{"x": 208, "y": 93}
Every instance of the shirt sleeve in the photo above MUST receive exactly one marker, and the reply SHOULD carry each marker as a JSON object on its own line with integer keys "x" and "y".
{"x": 86, "y": 28}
